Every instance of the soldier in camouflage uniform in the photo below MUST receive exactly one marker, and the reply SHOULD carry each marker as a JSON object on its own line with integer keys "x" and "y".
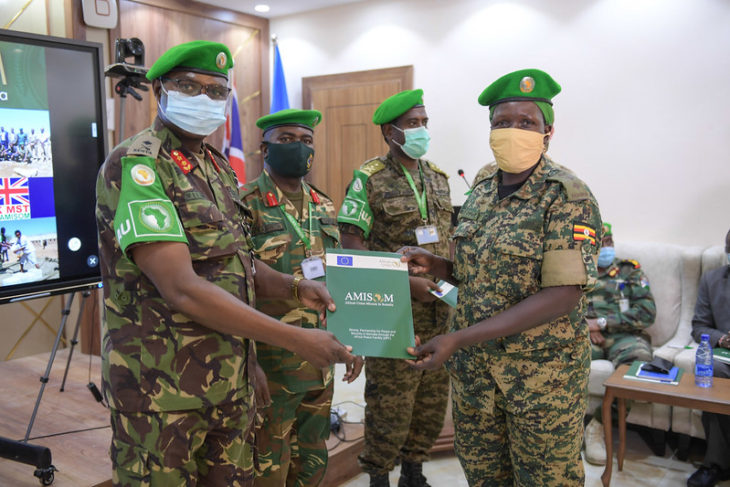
{"x": 179, "y": 284}
{"x": 620, "y": 308}
{"x": 396, "y": 200}
{"x": 293, "y": 224}
{"x": 525, "y": 250}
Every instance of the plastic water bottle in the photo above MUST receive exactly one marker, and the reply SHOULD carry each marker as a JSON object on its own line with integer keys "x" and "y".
{"x": 703, "y": 363}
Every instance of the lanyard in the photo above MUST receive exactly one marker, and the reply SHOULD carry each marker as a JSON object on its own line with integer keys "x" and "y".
{"x": 420, "y": 199}
{"x": 298, "y": 228}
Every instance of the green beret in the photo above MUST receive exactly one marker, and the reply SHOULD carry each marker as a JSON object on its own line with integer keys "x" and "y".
{"x": 525, "y": 84}
{"x": 205, "y": 56}
{"x": 290, "y": 116}
{"x": 396, "y": 105}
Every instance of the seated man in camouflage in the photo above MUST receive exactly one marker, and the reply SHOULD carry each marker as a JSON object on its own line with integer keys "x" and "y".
{"x": 620, "y": 308}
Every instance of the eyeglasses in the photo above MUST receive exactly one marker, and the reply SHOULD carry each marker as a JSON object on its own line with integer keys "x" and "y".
{"x": 193, "y": 88}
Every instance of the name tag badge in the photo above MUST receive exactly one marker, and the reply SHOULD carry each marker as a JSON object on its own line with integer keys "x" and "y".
{"x": 312, "y": 268}
{"x": 623, "y": 305}
{"x": 427, "y": 234}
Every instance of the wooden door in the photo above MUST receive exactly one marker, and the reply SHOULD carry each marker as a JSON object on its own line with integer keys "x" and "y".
{"x": 347, "y": 136}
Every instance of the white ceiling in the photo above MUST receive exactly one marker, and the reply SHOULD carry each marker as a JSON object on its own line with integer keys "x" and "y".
{"x": 279, "y": 8}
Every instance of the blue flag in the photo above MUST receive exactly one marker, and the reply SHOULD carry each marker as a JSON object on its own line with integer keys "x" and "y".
{"x": 279, "y": 96}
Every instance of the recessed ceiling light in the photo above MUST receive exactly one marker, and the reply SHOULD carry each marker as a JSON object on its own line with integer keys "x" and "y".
{"x": 263, "y": 8}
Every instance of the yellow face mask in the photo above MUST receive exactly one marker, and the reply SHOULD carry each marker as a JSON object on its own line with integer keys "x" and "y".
{"x": 516, "y": 150}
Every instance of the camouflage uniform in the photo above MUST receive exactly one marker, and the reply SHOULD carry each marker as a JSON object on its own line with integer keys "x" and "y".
{"x": 168, "y": 380}
{"x": 405, "y": 408}
{"x": 291, "y": 440}
{"x": 626, "y": 339}
{"x": 519, "y": 401}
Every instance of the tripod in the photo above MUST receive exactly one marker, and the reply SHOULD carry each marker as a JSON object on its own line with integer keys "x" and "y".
{"x": 22, "y": 451}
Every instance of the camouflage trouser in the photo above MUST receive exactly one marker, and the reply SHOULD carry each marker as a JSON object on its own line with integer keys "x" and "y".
{"x": 182, "y": 448}
{"x": 622, "y": 348}
{"x": 291, "y": 440}
{"x": 404, "y": 413}
{"x": 518, "y": 418}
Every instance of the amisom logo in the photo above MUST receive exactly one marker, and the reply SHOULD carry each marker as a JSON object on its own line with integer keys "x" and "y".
{"x": 365, "y": 298}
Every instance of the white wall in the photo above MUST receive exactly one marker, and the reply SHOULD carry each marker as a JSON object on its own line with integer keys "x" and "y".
{"x": 644, "y": 116}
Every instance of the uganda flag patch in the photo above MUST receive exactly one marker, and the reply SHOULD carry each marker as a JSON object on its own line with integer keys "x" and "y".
{"x": 581, "y": 232}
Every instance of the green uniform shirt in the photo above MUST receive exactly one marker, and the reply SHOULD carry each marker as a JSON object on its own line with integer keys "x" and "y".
{"x": 623, "y": 279}
{"x": 151, "y": 189}
{"x": 279, "y": 245}
{"x": 381, "y": 206}
{"x": 508, "y": 249}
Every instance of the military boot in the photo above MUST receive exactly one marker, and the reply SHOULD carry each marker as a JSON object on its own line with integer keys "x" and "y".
{"x": 379, "y": 480}
{"x": 411, "y": 475}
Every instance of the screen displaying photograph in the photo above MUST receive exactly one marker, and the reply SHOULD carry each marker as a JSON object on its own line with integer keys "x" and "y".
{"x": 51, "y": 145}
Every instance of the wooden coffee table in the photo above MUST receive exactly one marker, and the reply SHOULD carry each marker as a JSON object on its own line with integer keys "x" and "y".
{"x": 715, "y": 399}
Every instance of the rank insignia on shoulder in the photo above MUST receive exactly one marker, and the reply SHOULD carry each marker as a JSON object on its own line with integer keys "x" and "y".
{"x": 613, "y": 272}
{"x": 182, "y": 162}
{"x": 582, "y": 232}
{"x": 271, "y": 199}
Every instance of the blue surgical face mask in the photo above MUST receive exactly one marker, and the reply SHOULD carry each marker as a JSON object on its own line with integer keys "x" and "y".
{"x": 199, "y": 115}
{"x": 416, "y": 141}
{"x": 728, "y": 258}
{"x": 606, "y": 256}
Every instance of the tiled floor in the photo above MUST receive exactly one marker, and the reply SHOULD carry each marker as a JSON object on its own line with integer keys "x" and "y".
{"x": 641, "y": 467}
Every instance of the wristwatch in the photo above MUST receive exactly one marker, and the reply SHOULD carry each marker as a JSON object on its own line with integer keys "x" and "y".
{"x": 601, "y": 322}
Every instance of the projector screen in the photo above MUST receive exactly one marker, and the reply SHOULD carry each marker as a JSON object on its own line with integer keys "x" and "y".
{"x": 52, "y": 142}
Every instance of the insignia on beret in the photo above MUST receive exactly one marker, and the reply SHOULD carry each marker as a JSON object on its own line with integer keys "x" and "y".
{"x": 206, "y": 56}
{"x": 221, "y": 59}
{"x": 527, "y": 84}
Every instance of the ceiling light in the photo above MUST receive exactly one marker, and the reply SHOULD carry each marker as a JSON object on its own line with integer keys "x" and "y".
{"x": 263, "y": 8}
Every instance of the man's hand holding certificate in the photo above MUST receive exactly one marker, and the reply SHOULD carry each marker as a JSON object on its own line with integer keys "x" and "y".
{"x": 373, "y": 299}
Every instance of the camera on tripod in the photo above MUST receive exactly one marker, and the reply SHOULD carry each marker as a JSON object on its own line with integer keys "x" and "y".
{"x": 132, "y": 74}
{"x": 125, "y": 48}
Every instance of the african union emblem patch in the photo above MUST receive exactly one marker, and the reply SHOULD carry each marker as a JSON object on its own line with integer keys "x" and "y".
{"x": 154, "y": 217}
{"x": 142, "y": 175}
{"x": 582, "y": 231}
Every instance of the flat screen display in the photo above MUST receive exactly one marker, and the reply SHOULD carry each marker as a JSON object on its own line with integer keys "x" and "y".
{"x": 52, "y": 142}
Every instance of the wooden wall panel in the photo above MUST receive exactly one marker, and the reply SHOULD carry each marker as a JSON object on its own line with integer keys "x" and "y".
{"x": 165, "y": 23}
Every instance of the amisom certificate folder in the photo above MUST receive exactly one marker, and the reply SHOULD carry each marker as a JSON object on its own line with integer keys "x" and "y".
{"x": 373, "y": 299}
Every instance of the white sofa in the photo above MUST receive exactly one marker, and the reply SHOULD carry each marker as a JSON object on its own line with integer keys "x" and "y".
{"x": 686, "y": 421}
{"x": 673, "y": 272}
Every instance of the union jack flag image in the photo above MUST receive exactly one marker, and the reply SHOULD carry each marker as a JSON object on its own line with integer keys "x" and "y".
{"x": 14, "y": 191}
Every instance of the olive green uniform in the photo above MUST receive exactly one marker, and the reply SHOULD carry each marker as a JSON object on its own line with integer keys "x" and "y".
{"x": 519, "y": 401}
{"x": 405, "y": 408}
{"x": 623, "y": 297}
{"x": 291, "y": 439}
{"x": 179, "y": 394}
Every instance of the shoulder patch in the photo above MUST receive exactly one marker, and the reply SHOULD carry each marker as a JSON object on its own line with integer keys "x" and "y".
{"x": 319, "y": 191}
{"x": 631, "y": 262}
{"x": 372, "y": 166}
{"x": 145, "y": 145}
{"x": 437, "y": 169}
{"x": 575, "y": 188}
